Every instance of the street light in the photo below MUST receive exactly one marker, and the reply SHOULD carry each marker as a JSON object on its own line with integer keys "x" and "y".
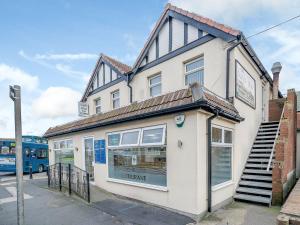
{"x": 15, "y": 95}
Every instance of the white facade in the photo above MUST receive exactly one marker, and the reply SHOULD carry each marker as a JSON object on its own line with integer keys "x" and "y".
{"x": 186, "y": 165}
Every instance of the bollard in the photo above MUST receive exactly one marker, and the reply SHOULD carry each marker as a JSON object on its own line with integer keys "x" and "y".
{"x": 59, "y": 176}
{"x": 30, "y": 171}
{"x": 70, "y": 177}
{"x": 88, "y": 187}
{"x": 48, "y": 173}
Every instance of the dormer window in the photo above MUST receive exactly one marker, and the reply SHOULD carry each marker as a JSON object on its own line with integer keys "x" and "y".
{"x": 194, "y": 71}
{"x": 98, "y": 105}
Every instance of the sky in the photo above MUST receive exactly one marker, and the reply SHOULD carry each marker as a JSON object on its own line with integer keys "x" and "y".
{"x": 50, "y": 47}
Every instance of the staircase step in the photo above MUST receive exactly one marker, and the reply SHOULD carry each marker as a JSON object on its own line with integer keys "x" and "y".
{"x": 258, "y": 160}
{"x": 252, "y": 165}
{"x": 255, "y": 184}
{"x": 271, "y": 141}
{"x": 251, "y": 198}
{"x": 257, "y": 150}
{"x": 253, "y": 155}
{"x": 255, "y": 171}
{"x": 267, "y": 129}
{"x": 257, "y": 177}
{"x": 270, "y": 122}
{"x": 254, "y": 191}
{"x": 268, "y": 125}
{"x": 263, "y": 146}
{"x": 266, "y": 137}
{"x": 266, "y": 133}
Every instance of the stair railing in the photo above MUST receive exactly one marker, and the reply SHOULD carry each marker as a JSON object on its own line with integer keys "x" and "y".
{"x": 277, "y": 133}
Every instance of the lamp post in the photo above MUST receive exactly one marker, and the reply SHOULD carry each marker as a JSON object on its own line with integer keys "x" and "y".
{"x": 15, "y": 95}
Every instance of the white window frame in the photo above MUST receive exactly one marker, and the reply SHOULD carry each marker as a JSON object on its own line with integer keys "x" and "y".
{"x": 115, "y": 98}
{"x": 113, "y": 146}
{"x": 186, "y": 73}
{"x": 163, "y": 142}
{"x": 98, "y": 106}
{"x": 223, "y": 144}
{"x": 65, "y": 140}
{"x": 129, "y": 131}
{"x": 154, "y": 85}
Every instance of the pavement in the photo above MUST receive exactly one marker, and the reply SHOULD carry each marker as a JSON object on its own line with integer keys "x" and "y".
{"x": 290, "y": 212}
{"x": 49, "y": 207}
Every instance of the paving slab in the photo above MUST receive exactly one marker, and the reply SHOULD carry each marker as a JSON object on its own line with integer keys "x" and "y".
{"x": 292, "y": 204}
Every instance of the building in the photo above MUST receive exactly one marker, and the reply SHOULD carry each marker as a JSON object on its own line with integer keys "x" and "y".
{"x": 177, "y": 127}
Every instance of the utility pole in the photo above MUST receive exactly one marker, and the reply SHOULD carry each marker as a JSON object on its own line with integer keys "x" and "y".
{"x": 15, "y": 95}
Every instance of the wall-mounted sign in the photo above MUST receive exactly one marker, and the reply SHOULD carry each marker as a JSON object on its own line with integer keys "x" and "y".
{"x": 245, "y": 89}
{"x": 83, "y": 109}
{"x": 179, "y": 120}
{"x": 99, "y": 149}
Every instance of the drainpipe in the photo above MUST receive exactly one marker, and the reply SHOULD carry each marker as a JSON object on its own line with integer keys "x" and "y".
{"x": 130, "y": 88}
{"x": 209, "y": 159}
{"x": 228, "y": 51}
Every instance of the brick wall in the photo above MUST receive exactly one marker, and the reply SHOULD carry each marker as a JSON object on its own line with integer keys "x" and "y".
{"x": 283, "y": 175}
{"x": 275, "y": 109}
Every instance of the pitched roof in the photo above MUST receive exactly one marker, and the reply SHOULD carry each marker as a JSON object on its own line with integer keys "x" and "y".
{"x": 197, "y": 17}
{"x": 123, "y": 68}
{"x": 169, "y": 103}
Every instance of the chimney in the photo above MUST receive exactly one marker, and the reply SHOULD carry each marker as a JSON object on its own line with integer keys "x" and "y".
{"x": 276, "y": 68}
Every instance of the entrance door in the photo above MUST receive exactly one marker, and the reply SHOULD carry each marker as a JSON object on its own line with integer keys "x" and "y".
{"x": 88, "y": 144}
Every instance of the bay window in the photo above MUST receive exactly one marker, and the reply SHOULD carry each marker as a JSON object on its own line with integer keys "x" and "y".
{"x": 221, "y": 155}
{"x": 138, "y": 156}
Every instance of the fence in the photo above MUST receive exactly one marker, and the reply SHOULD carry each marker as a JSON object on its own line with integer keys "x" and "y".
{"x": 71, "y": 178}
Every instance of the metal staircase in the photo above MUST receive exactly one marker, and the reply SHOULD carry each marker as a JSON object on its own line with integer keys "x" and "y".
{"x": 256, "y": 181}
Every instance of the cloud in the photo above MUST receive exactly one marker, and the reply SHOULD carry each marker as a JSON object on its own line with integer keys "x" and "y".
{"x": 67, "y": 56}
{"x": 66, "y": 69}
{"x": 16, "y": 76}
{"x": 56, "y": 102}
{"x": 235, "y": 11}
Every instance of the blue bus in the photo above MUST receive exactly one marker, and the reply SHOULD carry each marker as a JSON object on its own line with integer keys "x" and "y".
{"x": 35, "y": 153}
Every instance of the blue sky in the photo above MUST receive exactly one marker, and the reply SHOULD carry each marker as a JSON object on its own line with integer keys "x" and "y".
{"x": 50, "y": 47}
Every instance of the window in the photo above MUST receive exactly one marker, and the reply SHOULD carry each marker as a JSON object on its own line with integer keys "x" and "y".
{"x": 153, "y": 135}
{"x": 155, "y": 85}
{"x": 63, "y": 151}
{"x": 194, "y": 71}
{"x": 131, "y": 160}
{"x": 41, "y": 153}
{"x": 221, "y": 155}
{"x": 98, "y": 105}
{"x": 115, "y": 99}
{"x": 130, "y": 138}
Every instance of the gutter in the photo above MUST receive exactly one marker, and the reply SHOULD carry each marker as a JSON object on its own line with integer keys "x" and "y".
{"x": 130, "y": 88}
{"x": 209, "y": 148}
{"x": 228, "y": 51}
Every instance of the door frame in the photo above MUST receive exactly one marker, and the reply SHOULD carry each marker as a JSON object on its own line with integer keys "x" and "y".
{"x": 83, "y": 151}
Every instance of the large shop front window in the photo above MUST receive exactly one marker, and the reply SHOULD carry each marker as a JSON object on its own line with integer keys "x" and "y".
{"x": 64, "y": 151}
{"x": 221, "y": 155}
{"x": 138, "y": 156}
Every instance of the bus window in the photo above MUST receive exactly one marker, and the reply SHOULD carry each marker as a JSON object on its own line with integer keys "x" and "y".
{"x": 12, "y": 151}
{"x": 41, "y": 153}
{"x": 4, "y": 150}
{"x": 27, "y": 139}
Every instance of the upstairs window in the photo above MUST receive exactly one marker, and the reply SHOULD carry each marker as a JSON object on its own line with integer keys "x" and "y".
{"x": 98, "y": 105}
{"x": 155, "y": 85}
{"x": 115, "y": 99}
{"x": 194, "y": 71}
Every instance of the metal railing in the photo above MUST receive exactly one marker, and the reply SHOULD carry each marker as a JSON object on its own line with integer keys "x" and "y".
{"x": 71, "y": 178}
{"x": 274, "y": 144}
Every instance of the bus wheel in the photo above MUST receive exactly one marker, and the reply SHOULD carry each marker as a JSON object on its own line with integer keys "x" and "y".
{"x": 41, "y": 168}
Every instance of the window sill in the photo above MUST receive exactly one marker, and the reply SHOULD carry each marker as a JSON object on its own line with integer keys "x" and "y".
{"x": 223, "y": 185}
{"x": 148, "y": 186}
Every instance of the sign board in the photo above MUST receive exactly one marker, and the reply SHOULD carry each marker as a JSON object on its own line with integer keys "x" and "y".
{"x": 99, "y": 149}
{"x": 244, "y": 86}
{"x": 83, "y": 109}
